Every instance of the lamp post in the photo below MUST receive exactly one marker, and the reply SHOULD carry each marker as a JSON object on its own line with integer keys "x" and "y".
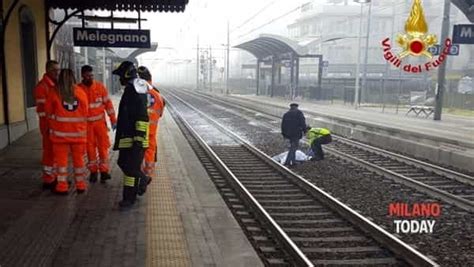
{"x": 357, "y": 87}
{"x": 197, "y": 64}
{"x": 227, "y": 61}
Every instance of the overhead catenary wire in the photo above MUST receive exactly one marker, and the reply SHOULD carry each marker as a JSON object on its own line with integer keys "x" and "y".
{"x": 350, "y": 19}
{"x": 254, "y": 16}
{"x": 271, "y": 21}
{"x": 296, "y": 9}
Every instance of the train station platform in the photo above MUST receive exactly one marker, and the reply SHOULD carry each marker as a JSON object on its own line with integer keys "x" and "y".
{"x": 180, "y": 221}
{"x": 447, "y": 142}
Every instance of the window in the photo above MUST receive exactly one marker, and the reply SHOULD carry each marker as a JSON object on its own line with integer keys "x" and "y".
{"x": 28, "y": 54}
{"x": 304, "y": 29}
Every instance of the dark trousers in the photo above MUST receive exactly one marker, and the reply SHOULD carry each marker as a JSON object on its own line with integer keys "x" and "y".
{"x": 130, "y": 162}
{"x": 317, "y": 148}
{"x": 291, "y": 158}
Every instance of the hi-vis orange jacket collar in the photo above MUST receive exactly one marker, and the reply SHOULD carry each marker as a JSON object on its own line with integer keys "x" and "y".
{"x": 48, "y": 80}
{"x": 93, "y": 84}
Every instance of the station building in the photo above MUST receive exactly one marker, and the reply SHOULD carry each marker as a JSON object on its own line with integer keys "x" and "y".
{"x": 27, "y": 28}
{"x": 25, "y": 45}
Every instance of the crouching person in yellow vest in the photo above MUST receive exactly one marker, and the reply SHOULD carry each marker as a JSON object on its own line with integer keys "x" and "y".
{"x": 316, "y": 138}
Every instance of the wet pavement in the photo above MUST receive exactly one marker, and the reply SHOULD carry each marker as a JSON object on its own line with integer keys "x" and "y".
{"x": 181, "y": 220}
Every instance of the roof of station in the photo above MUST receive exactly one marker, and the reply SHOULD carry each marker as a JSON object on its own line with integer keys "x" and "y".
{"x": 467, "y": 7}
{"x": 267, "y": 45}
{"x": 122, "y": 5}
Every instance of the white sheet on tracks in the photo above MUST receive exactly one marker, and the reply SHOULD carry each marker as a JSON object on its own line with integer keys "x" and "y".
{"x": 300, "y": 156}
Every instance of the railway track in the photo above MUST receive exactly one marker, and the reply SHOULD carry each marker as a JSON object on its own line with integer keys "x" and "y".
{"x": 450, "y": 186}
{"x": 453, "y": 187}
{"x": 307, "y": 224}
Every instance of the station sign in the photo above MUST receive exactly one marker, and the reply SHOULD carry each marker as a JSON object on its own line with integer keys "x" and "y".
{"x": 436, "y": 49}
{"x": 111, "y": 38}
{"x": 463, "y": 34}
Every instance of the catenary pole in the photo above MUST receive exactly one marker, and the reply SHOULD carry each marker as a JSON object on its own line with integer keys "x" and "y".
{"x": 442, "y": 69}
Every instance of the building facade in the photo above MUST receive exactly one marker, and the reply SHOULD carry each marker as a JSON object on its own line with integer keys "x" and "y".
{"x": 333, "y": 30}
{"x": 24, "y": 58}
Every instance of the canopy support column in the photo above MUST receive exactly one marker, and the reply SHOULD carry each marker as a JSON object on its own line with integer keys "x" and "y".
{"x": 320, "y": 75}
{"x": 257, "y": 75}
{"x": 297, "y": 78}
{"x": 279, "y": 72}
{"x": 273, "y": 77}
{"x": 292, "y": 77}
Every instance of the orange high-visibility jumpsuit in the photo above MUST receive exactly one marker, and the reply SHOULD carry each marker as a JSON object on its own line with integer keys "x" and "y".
{"x": 97, "y": 132}
{"x": 68, "y": 133}
{"x": 156, "y": 107}
{"x": 41, "y": 92}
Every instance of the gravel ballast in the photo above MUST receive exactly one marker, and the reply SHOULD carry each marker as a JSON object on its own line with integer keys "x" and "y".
{"x": 452, "y": 240}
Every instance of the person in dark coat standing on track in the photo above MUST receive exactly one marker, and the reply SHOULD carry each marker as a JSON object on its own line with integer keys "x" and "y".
{"x": 293, "y": 126}
{"x": 131, "y": 138}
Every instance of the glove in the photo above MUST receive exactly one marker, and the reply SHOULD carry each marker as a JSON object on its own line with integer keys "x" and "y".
{"x": 114, "y": 126}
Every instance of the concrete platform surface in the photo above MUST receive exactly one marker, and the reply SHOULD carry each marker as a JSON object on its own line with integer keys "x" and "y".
{"x": 181, "y": 221}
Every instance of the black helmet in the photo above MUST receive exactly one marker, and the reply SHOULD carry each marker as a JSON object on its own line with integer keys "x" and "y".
{"x": 144, "y": 73}
{"x": 126, "y": 70}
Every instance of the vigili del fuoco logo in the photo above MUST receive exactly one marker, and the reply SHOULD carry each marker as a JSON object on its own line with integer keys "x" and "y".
{"x": 415, "y": 42}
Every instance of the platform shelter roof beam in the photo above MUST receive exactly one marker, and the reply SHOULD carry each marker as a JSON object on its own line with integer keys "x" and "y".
{"x": 267, "y": 45}
{"x": 123, "y": 5}
{"x": 467, "y": 7}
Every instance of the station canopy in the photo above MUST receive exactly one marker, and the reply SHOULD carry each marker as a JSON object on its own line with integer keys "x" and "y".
{"x": 269, "y": 45}
{"x": 467, "y": 7}
{"x": 122, "y": 5}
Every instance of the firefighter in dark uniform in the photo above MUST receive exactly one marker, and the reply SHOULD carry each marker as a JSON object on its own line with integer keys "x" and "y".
{"x": 131, "y": 138}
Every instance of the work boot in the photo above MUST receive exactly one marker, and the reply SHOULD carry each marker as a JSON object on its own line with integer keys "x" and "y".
{"x": 129, "y": 196}
{"x": 61, "y": 188}
{"x": 49, "y": 182}
{"x": 93, "y": 177}
{"x": 125, "y": 203}
{"x": 104, "y": 176}
{"x": 142, "y": 185}
{"x": 49, "y": 186}
{"x": 81, "y": 187}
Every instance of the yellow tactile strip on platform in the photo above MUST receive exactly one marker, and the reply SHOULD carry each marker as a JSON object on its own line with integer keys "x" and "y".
{"x": 166, "y": 241}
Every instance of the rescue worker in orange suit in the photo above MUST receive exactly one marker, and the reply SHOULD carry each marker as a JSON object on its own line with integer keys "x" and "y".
{"x": 41, "y": 91}
{"x": 131, "y": 137}
{"x": 67, "y": 111}
{"x": 156, "y": 105}
{"x": 97, "y": 132}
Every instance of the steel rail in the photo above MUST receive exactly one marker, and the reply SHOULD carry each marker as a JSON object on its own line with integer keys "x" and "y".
{"x": 460, "y": 177}
{"x": 442, "y": 194}
{"x": 394, "y": 244}
{"x": 297, "y": 255}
